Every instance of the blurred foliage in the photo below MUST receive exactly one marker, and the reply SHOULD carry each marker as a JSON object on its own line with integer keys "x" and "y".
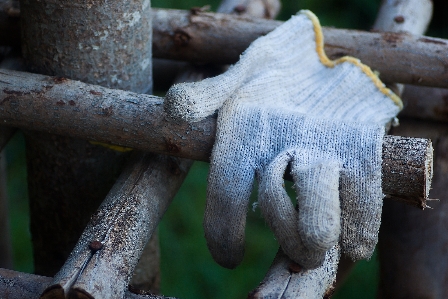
{"x": 18, "y": 204}
{"x": 188, "y": 271}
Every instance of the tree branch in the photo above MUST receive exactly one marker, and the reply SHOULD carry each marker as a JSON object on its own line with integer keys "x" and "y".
{"x": 138, "y": 121}
{"x": 104, "y": 258}
{"x": 219, "y": 38}
{"x": 17, "y": 285}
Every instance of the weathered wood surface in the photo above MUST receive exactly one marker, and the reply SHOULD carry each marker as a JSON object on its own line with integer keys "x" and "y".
{"x": 285, "y": 279}
{"x": 411, "y": 16}
{"x": 425, "y": 103}
{"x": 102, "y": 263}
{"x": 92, "y": 112}
{"x": 103, "y": 43}
{"x": 412, "y": 259}
{"x": 412, "y": 245}
{"x": 146, "y": 188}
{"x": 68, "y": 178}
{"x": 17, "y": 285}
{"x": 218, "y": 38}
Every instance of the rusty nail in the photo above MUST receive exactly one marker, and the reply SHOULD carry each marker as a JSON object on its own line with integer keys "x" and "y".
{"x": 95, "y": 246}
{"x": 239, "y": 8}
{"x": 399, "y": 19}
{"x": 294, "y": 267}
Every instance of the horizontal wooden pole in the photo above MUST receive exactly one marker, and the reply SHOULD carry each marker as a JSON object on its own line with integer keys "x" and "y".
{"x": 73, "y": 108}
{"x": 218, "y": 38}
{"x": 205, "y": 37}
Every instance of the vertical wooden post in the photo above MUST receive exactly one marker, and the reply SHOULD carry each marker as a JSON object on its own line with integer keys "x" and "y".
{"x": 413, "y": 244}
{"x": 412, "y": 253}
{"x": 101, "y": 42}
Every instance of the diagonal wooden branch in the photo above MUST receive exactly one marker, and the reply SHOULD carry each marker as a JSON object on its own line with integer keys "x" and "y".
{"x": 97, "y": 113}
{"x": 219, "y": 38}
{"x": 286, "y": 279}
{"x": 17, "y": 285}
{"x": 101, "y": 264}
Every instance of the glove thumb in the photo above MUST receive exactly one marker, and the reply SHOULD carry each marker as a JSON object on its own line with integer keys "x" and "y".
{"x": 195, "y": 101}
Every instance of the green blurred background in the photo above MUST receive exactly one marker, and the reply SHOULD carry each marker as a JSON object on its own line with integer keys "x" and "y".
{"x": 188, "y": 271}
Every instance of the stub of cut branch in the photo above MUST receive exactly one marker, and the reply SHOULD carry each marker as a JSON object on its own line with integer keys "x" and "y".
{"x": 219, "y": 38}
{"x": 73, "y": 108}
{"x": 412, "y": 16}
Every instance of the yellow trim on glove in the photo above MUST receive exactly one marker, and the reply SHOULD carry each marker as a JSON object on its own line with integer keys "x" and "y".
{"x": 331, "y": 63}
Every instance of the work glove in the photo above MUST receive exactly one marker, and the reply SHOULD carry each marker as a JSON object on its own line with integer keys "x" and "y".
{"x": 285, "y": 103}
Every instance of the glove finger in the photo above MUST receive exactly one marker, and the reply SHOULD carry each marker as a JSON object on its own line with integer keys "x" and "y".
{"x": 228, "y": 195}
{"x": 317, "y": 188}
{"x": 282, "y": 218}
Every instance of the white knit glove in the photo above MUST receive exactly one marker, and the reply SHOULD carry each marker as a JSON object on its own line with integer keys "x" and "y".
{"x": 285, "y": 103}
